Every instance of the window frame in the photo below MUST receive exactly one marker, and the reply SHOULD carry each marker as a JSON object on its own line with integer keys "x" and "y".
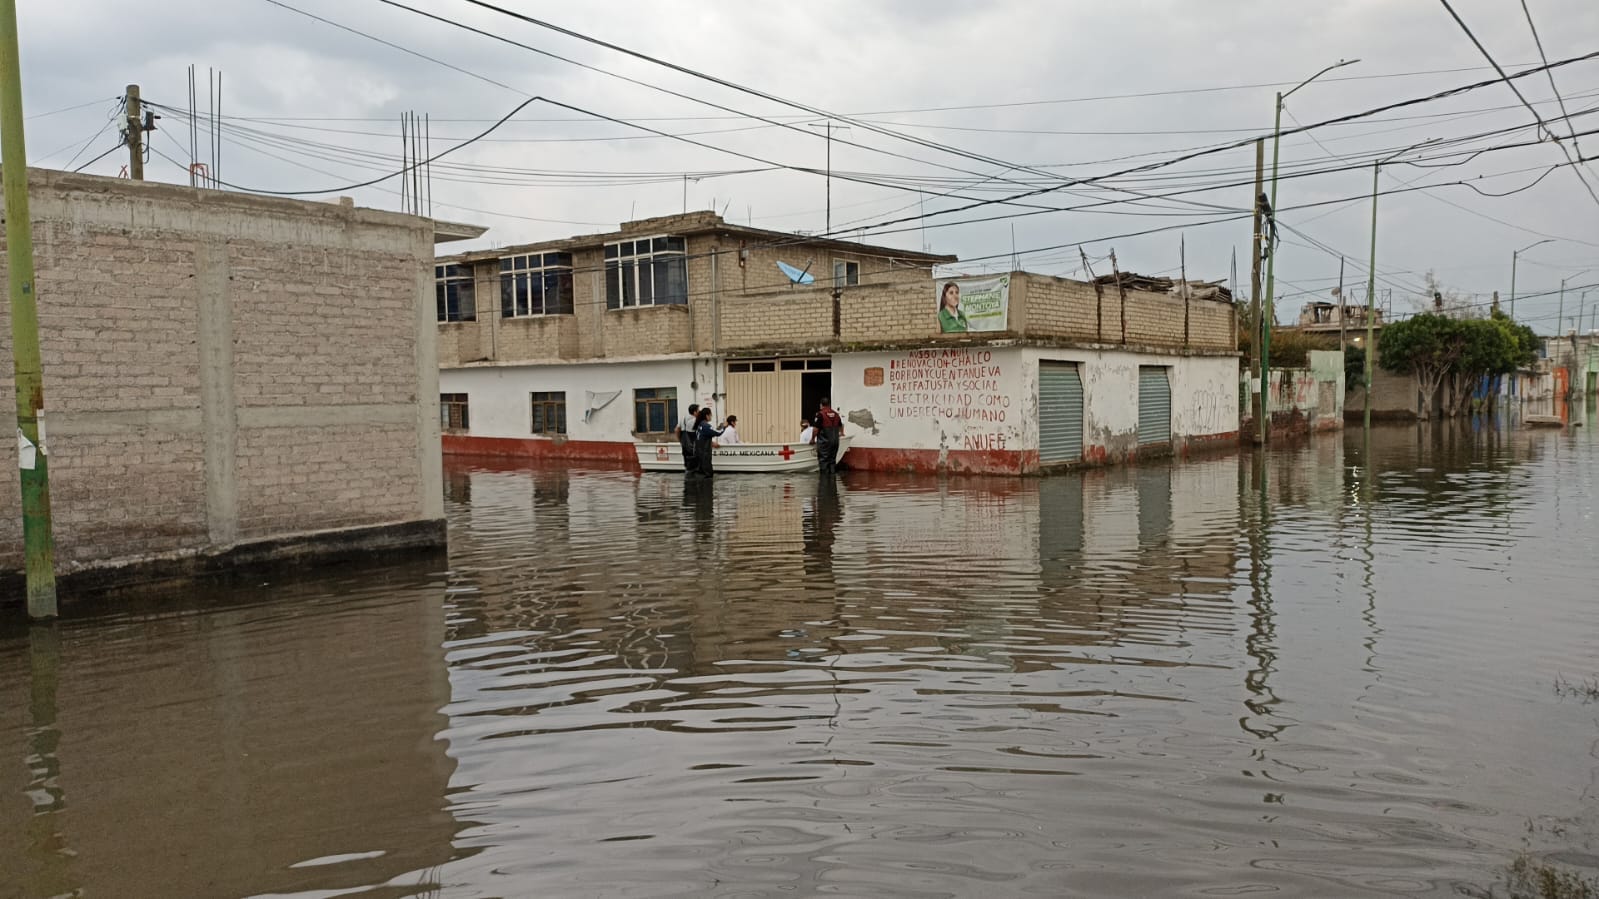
{"x": 448, "y": 403}
{"x": 647, "y": 398}
{"x": 545, "y": 406}
{"x": 528, "y": 279}
{"x": 634, "y": 268}
{"x": 464, "y": 287}
{"x": 850, "y": 277}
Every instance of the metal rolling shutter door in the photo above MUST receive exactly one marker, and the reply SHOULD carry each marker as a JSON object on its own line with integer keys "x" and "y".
{"x": 1154, "y": 405}
{"x": 1060, "y": 412}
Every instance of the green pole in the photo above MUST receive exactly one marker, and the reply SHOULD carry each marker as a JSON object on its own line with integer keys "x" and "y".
{"x": 1371, "y": 293}
{"x": 37, "y": 540}
{"x": 1513, "y": 256}
{"x": 1268, "y": 316}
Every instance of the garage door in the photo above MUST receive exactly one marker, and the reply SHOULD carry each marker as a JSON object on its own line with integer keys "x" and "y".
{"x": 1154, "y": 404}
{"x": 1060, "y": 412}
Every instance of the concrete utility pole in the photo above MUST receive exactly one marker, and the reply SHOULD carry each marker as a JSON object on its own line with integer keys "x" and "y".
{"x": 1371, "y": 293}
{"x": 135, "y": 135}
{"x": 1513, "y": 256}
{"x": 1255, "y": 369}
{"x": 38, "y": 542}
{"x": 1341, "y": 306}
{"x": 1271, "y": 257}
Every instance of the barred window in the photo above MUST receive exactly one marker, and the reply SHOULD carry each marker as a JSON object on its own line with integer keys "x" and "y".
{"x": 654, "y": 410}
{"x": 549, "y": 412}
{"x": 453, "y": 412}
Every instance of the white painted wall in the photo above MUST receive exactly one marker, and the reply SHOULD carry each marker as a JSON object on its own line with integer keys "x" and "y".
{"x": 1204, "y": 392}
{"x": 497, "y": 396}
{"x": 942, "y": 398}
{"x": 987, "y": 399}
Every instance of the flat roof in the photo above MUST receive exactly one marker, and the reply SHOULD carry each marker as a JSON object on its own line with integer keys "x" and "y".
{"x": 694, "y": 223}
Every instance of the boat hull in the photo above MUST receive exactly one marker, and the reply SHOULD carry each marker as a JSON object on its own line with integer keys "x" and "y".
{"x": 739, "y": 458}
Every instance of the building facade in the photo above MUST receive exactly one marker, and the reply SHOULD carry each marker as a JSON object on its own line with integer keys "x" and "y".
{"x": 579, "y": 348}
{"x": 226, "y": 377}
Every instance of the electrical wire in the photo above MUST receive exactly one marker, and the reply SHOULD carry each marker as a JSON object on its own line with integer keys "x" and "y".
{"x": 1517, "y": 91}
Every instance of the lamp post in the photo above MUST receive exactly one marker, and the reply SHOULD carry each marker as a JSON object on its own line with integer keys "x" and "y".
{"x": 1371, "y": 274}
{"x": 1268, "y": 315}
{"x": 1513, "y": 271}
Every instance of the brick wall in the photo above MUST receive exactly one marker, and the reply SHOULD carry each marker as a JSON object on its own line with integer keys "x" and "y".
{"x": 219, "y": 367}
{"x": 1071, "y": 310}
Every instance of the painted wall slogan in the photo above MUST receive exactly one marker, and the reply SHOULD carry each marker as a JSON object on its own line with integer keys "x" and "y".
{"x": 952, "y": 385}
{"x": 973, "y": 304}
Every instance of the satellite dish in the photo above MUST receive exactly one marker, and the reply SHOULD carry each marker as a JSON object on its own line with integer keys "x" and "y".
{"x": 797, "y": 275}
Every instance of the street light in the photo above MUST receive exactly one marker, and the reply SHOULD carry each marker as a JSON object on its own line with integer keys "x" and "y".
{"x": 1560, "y": 317}
{"x": 1513, "y": 271}
{"x": 1371, "y": 272}
{"x": 1268, "y": 315}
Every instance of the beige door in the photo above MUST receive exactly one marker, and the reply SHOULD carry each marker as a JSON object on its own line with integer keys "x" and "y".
{"x": 767, "y": 404}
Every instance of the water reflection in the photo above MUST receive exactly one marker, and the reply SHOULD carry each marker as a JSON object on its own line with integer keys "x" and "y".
{"x": 1319, "y": 671}
{"x": 277, "y": 741}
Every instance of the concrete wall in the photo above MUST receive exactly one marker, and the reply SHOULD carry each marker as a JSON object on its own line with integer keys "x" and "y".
{"x": 1393, "y": 397}
{"x": 1305, "y": 399}
{"x": 501, "y": 412}
{"x": 220, "y": 368}
{"x": 976, "y": 409}
{"x": 1045, "y": 307}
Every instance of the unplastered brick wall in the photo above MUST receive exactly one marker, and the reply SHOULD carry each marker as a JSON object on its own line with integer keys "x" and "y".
{"x": 1065, "y": 309}
{"x": 219, "y": 367}
{"x": 802, "y": 317}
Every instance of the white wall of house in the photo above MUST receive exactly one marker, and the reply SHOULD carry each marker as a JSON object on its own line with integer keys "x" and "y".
{"x": 976, "y": 398}
{"x": 986, "y": 398}
{"x": 499, "y": 402}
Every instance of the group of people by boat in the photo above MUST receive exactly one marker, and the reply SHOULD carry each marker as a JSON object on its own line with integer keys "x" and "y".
{"x": 699, "y": 438}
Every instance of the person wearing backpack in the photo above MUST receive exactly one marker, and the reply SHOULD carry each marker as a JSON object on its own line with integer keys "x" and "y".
{"x": 829, "y": 428}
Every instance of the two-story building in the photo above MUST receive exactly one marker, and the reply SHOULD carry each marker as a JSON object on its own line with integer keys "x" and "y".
{"x": 576, "y": 349}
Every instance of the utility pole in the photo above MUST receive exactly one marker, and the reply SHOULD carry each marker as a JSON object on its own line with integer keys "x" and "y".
{"x": 830, "y": 129}
{"x": 1254, "y": 293}
{"x": 1371, "y": 293}
{"x": 1513, "y": 256}
{"x": 135, "y": 135}
{"x": 38, "y": 542}
{"x": 1341, "y": 306}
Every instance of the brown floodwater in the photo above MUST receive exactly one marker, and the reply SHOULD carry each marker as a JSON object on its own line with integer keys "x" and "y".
{"x": 1327, "y": 671}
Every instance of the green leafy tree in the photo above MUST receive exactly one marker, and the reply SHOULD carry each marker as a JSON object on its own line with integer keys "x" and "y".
{"x": 1426, "y": 347}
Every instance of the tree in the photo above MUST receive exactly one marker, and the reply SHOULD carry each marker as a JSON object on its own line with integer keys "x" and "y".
{"x": 1425, "y": 347}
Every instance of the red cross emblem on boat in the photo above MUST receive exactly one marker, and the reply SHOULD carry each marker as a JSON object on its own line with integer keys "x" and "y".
{"x": 786, "y": 453}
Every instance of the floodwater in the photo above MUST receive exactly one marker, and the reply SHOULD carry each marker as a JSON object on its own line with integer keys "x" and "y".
{"x": 1330, "y": 671}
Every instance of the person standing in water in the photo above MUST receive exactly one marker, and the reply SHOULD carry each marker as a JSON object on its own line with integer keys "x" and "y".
{"x": 829, "y": 428}
{"x": 685, "y": 435}
{"x": 705, "y": 435}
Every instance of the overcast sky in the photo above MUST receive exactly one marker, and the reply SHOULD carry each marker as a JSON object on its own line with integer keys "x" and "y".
{"x": 1041, "y": 85}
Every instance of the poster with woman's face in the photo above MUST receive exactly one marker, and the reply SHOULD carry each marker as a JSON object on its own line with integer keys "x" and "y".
{"x": 972, "y": 304}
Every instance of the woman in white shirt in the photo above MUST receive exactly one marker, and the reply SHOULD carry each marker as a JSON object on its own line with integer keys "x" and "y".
{"x": 807, "y": 431}
{"x": 730, "y": 432}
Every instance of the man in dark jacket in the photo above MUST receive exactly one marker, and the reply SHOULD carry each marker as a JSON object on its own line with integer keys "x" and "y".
{"x": 686, "y": 435}
{"x": 829, "y": 428}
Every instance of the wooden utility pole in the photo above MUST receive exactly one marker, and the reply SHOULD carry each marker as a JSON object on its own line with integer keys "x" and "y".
{"x": 1254, "y": 294}
{"x": 1120, "y": 289}
{"x": 1182, "y": 256}
{"x": 135, "y": 135}
{"x": 38, "y": 540}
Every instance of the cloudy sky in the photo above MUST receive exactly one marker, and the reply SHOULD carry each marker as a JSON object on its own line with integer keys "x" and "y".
{"x": 983, "y": 102}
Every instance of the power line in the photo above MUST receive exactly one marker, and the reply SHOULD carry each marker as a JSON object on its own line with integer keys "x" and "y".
{"x": 1561, "y": 100}
{"x": 1506, "y": 79}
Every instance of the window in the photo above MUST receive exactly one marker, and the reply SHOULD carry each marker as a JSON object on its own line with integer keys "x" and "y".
{"x": 654, "y": 410}
{"x": 549, "y": 412}
{"x": 456, "y": 295}
{"x": 651, "y": 271}
{"x": 846, "y": 274}
{"x": 452, "y": 412}
{"x": 536, "y": 284}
